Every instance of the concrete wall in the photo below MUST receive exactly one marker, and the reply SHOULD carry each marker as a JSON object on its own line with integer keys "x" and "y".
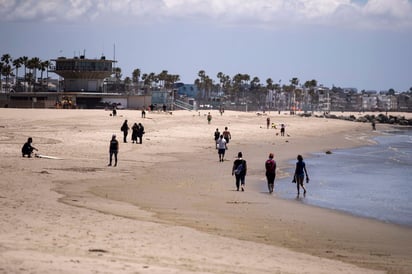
{"x": 138, "y": 101}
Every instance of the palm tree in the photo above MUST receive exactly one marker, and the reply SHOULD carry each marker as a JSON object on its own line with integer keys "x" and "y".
{"x": 170, "y": 80}
{"x": 270, "y": 88}
{"x": 135, "y": 77}
{"x": 1, "y": 70}
{"x": 127, "y": 82}
{"x": 17, "y": 64}
{"x": 44, "y": 66}
{"x": 202, "y": 84}
{"x": 6, "y": 70}
{"x": 294, "y": 82}
{"x": 148, "y": 80}
{"x": 118, "y": 76}
{"x": 237, "y": 86}
{"x": 33, "y": 64}
{"x": 314, "y": 98}
{"x": 162, "y": 77}
{"x": 24, "y": 61}
{"x": 255, "y": 89}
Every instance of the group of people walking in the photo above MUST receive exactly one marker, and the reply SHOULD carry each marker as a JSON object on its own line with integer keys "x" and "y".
{"x": 239, "y": 169}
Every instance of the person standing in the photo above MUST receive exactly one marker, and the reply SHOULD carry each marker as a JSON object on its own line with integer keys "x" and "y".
{"x": 113, "y": 150}
{"x": 227, "y": 135}
{"x": 27, "y": 148}
{"x": 209, "y": 118}
{"x": 221, "y": 148}
{"x": 267, "y": 122}
{"x": 125, "y": 128}
{"x": 282, "y": 130}
{"x": 135, "y": 130}
{"x": 300, "y": 173}
{"x": 270, "y": 166}
{"x": 140, "y": 133}
{"x": 239, "y": 169}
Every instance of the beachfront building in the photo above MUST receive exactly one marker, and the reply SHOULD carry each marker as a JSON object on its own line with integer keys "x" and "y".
{"x": 81, "y": 74}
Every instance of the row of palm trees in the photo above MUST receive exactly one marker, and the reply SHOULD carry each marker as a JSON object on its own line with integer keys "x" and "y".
{"x": 8, "y": 66}
{"x": 164, "y": 79}
{"x": 243, "y": 88}
{"x": 239, "y": 88}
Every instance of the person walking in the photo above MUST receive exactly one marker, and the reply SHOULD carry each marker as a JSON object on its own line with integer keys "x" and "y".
{"x": 300, "y": 173}
{"x": 113, "y": 150}
{"x": 239, "y": 169}
{"x": 227, "y": 135}
{"x": 270, "y": 166}
{"x": 221, "y": 148}
{"x": 217, "y": 135}
{"x": 27, "y": 148}
{"x": 140, "y": 133}
{"x": 125, "y": 128}
{"x": 135, "y": 130}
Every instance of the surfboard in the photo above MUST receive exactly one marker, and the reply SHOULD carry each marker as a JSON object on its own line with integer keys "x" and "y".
{"x": 47, "y": 157}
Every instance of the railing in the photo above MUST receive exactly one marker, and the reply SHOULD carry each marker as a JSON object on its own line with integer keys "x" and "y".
{"x": 183, "y": 105}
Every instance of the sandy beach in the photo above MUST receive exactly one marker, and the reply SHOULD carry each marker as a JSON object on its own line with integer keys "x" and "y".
{"x": 170, "y": 206}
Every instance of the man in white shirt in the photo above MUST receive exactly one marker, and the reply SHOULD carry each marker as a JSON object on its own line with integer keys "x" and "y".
{"x": 221, "y": 148}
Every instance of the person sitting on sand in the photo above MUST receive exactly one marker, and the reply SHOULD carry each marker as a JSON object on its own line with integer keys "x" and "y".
{"x": 27, "y": 148}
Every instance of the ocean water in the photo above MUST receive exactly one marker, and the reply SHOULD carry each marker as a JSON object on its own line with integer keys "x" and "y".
{"x": 373, "y": 181}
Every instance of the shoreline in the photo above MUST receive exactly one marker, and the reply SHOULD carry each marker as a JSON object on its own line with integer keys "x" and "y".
{"x": 279, "y": 229}
{"x": 174, "y": 181}
{"x": 342, "y": 155}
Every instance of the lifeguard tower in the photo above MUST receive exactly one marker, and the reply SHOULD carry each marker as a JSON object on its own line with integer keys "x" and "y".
{"x": 81, "y": 74}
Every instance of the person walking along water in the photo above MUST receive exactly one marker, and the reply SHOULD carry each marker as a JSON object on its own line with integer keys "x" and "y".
{"x": 300, "y": 173}
{"x": 239, "y": 169}
{"x": 270, "y": 166}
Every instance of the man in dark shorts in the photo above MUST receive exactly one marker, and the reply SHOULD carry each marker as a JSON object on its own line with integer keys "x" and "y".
{"x": 221, "y": 148}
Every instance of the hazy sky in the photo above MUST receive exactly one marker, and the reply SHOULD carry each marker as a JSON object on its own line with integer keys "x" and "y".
{"x": 365, "y": 44}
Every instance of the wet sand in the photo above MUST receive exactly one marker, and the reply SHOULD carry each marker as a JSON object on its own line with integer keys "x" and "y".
{"x": 170, "y": 206}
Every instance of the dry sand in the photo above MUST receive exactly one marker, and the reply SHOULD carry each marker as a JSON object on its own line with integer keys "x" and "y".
{"x": 170, "y": 206}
